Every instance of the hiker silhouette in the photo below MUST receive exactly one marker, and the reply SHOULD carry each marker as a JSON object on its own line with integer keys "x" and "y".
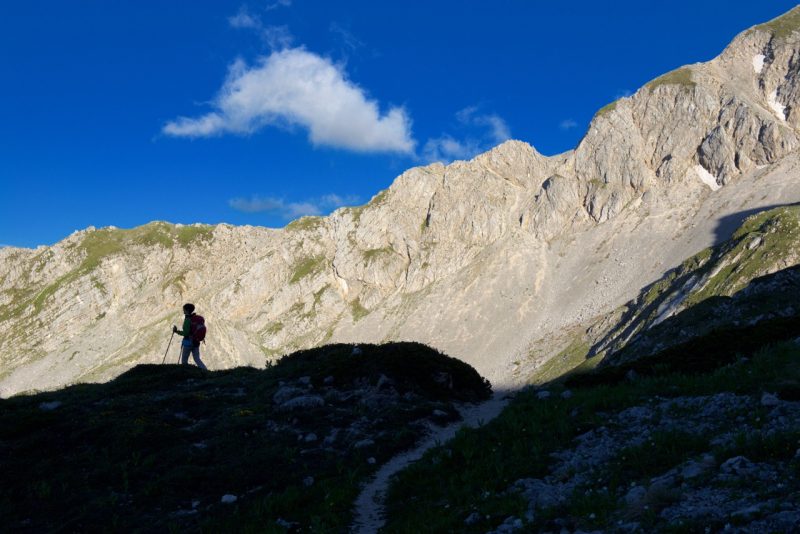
{"x": 193, "y": 332}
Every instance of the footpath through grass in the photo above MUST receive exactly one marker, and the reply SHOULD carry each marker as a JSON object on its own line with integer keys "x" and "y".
{"x": 470, "y": 475}
{"x": 158, "y": 448}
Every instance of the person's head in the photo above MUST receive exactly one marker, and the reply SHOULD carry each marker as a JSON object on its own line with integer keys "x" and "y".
{"x": 188, "y": 309}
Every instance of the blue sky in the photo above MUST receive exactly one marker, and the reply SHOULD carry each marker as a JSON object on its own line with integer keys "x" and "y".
{"x": 120, "y": 113}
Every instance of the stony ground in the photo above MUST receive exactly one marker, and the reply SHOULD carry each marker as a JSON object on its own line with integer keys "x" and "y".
{"x": 725, "y": 482}
{"x": 666, "y": 451}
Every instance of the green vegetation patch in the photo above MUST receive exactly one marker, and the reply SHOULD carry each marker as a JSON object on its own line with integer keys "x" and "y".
{"x": 162, "y": 444}
{"x": 357, "y": 310}
{"x": 376, "y": 201}
{"x": 318, "y": 295}
{"x": 659, "y": 289}
{"x": 563, "y": 362}
{"x": 105, "y": 242}
{"x": 777, "y": 233}
{"x": 373, "y": 254}
{"x": 764, "y": 242}
{"x": 306, "y": 224}
{"x": 784, "y": 25}
{"x": 306, "y": 267}
{"x": 763, "y": 447}
{"x": 660, "y": 452}
{"x": 188, "y": 235}
{"x": 379, "y": 199}
{"x": 356, "y": 213}
{"x": 273, "y": 328}
{"x": 681, "y": 76}
{"x": 608, "y": 108}
{"x": 97, "y": 245}
{"x": 16, "y": 302}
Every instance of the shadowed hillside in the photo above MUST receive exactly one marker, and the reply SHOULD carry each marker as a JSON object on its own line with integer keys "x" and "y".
{"x": 171, "y": 447}
{"x": 707, "y": 442}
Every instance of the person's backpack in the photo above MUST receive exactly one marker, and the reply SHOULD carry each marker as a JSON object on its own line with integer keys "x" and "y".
{"x": 198, "y": 328}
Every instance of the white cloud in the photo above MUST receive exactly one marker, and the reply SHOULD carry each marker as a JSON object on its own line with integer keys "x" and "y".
{"x": 568, "y": 124}
{"x": 203, "y": 126}
{"x": 332, "y": 200}
{"x": 278, "y": 3}
{"x": 275, "y": 37}
{"x": 349, "y": 40}
{"x": 256, "y": 204}
{"x": 299, "y": 209}
{"x": 297, "y": 87}
{"x": 447, "y": 148}
{"x": 244, "y": 19}
{"x": 499, "y": 130}
{"x": 291, "y": 210}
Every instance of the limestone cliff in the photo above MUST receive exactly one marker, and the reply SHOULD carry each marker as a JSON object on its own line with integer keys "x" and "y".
{"x": 492, "y": 260}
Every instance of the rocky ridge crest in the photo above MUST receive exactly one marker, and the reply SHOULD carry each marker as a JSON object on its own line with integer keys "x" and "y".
{"x": 490, "y": 260}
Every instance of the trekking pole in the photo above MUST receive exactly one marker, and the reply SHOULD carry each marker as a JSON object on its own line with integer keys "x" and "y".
{"x": 166, "y": 351}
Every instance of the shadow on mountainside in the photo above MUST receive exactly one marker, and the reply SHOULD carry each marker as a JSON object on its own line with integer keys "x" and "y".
{"x": 168, "y": 447}
{"x": 709, "y": 335}
{"x": 727, "y": 225}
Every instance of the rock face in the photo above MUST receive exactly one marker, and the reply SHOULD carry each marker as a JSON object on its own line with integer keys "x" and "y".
{"x": 490, "y": 260}
{"x": 745, "y": 281}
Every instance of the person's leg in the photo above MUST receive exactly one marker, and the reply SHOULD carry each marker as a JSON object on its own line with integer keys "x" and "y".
{"x": 185, "y": 354}
{"x": 196, "y": 356}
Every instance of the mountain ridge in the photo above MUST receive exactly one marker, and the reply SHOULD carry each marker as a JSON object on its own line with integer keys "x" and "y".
{"x": 481, "y": 258}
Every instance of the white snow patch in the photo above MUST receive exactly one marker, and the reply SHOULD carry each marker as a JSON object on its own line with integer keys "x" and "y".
{"x": 779, "y": 110}
{"x": 758, "y": 63}
{"x": 706, "y": 177}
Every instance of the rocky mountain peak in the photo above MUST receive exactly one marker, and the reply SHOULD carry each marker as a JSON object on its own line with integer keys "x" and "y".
{"x": 479, "y": 258}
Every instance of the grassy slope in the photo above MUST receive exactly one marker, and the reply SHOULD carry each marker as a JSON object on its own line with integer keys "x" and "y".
{"x": 764, "y": 243}
{"x": 704, "y": 282}
{"x": 136, "y": 452}
{"x": 784, "y": 25}
{"x": 473, "y": 472}
{"x": 98, "y": 245}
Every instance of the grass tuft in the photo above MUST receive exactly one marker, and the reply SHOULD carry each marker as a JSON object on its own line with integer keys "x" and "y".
{"x": 305, "y": 224}
{"x": 681, "y": 77}
{"x": 307, "y": 267}
{"x": 357, "y": 310}
{"x": 608, "y": 108}
{"x": 373, "y": 254}
{"x": 784, "y": 25}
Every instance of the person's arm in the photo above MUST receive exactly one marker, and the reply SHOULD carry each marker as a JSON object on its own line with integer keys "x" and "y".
{"x": 187, "y": 328}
